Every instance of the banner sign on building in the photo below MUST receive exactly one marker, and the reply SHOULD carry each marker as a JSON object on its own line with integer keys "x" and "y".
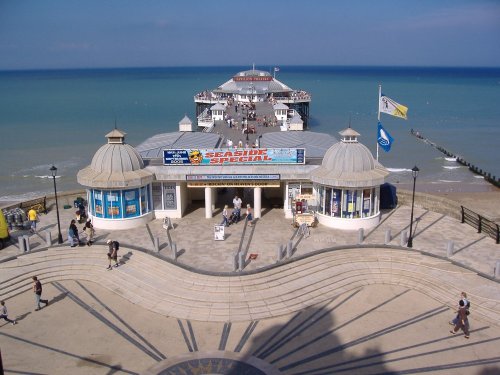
{"x": 233, "y": 180}
{"x": 217, "y": 177}
{"x": 231, "y": 157}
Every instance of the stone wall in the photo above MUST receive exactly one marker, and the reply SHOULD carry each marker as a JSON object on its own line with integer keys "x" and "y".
{"x": 430, "y": 202}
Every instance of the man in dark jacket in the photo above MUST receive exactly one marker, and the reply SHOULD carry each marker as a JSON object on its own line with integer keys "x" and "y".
{"x": 463, "y": 321}
{"x": 37, "y": 289}
{"x": 113, "y": 253}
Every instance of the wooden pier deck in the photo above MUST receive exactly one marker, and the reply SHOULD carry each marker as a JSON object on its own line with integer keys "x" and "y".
{"x": 236, "y": 133}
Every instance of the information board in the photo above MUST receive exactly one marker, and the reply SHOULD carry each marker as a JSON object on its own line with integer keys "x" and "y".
{"x": 219, "y": 233}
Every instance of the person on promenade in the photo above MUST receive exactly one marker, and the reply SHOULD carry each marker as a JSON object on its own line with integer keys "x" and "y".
{"x": 33, "y": 218}
{"x": 237, "y": 207}
{"x": 88, "y": 228}
{"x": 463, "y": 320}
{"x": 4, "y": 314}
{"x": 73, "y": 238}
{"x": 113, "y": 247}
{"x": 37, "y": 289}
{"x": 225, "y": 216}
{"x": 249, "y": 215}
{"x": 463, "y": 297}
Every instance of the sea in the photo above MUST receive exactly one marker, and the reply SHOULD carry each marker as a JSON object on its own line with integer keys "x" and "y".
{"x": 61, "y": 117}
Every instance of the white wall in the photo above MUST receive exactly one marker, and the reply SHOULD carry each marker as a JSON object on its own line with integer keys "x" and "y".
{"x": 348, "y": 224}
{"x": 121, "y": 224}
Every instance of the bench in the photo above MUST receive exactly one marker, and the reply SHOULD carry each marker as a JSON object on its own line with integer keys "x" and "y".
{"x": 38, "y": 204}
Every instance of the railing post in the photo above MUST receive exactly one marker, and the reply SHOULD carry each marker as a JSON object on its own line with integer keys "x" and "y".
{"x": 235, "y": 261}
{"x": 449, "y": 249}
{"x": 174, "y": 250}
{"x": 22, "y": 247}
{"x": 27, "y": 243}
{"x": 241, "y": 261}
{"x": 361, "y": 235}
{"x": 479, "y": 224}
{"x": 498, "y": 234}
{"x": 404, "y": 238}
{"x": 280, "y": 253}
{"x": 289, "y": 248}
{"x": 157, "y": 244}
{"x": 463, "y": 214}
{"x": 388, "y": 237}
{"x": 48, "y": 238}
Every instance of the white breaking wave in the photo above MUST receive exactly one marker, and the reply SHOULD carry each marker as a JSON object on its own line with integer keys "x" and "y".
{"x": 47, "y": 176}
{"x": 449, "y": 181}
{"x": 450, "y": 159}
{"x": 476, "y": 176}
{"x": 450, "y": 167}
{"x": 398, "y": 170}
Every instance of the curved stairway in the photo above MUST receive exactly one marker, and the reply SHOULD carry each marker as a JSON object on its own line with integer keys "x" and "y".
{"x": 173, "y": 291}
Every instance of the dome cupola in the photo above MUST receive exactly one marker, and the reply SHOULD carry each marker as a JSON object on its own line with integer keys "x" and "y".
{"x": 115, "y": 164}
{"x": 349, "y": 163}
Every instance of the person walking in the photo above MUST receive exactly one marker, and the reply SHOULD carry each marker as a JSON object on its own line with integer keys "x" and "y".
{"x": 88, "y": 228}
{"x": 237, "y": 207}
{"x": 463, "y": 297}
{"x": 33, "y": 218}
{"x": 71, "y": 236}
{"x": 74, "y": 229}
{"x": 249, "y": 215}
{"x": 4, "y": 314}
{"x": 463, "y": 321}
{"x": 113, "y": 252}
{"x": 225, "y": 216}
{"x": 37, "y": 289}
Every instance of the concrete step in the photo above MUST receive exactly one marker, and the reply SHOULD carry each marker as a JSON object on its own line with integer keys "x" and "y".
{"x": 171, "y": 290}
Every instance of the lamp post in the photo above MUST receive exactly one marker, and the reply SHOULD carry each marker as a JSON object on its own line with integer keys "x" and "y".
{"x": 53, "y": 170}
{"x": 414, "y": 173}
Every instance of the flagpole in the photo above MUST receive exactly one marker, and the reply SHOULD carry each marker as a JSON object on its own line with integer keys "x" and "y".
{"x": 378, "y": 117}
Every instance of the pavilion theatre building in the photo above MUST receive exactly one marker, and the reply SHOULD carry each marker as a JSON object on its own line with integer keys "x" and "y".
{"x": 312, "y": 176}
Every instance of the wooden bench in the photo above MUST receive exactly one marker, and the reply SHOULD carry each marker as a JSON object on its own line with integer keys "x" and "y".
{"x": 38, "y": 204}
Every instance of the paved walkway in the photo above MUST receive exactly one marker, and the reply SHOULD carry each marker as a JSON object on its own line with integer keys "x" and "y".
{"x": 339, "y": 307}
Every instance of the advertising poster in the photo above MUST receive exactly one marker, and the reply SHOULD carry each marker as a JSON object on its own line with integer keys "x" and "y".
{"x": 234, "y": 157}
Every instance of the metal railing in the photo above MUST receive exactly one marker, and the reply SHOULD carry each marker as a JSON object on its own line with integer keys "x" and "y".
{"x": 481, "y": 223}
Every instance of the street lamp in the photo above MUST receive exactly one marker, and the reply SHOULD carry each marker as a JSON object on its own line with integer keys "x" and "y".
{"x": 53, "y": 170}
{"x": 414, "y": 173}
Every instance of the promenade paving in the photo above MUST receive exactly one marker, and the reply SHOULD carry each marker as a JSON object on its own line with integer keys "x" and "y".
{"x": 366, "y": 309}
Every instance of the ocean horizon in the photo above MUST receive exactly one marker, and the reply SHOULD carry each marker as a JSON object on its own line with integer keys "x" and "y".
{"x": 60, "y": 116}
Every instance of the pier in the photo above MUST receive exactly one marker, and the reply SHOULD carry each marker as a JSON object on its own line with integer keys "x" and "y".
{"x": 474, "y": 169}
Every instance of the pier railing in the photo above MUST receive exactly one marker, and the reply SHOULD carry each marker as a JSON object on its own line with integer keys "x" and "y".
{"x": 481, "y": 223}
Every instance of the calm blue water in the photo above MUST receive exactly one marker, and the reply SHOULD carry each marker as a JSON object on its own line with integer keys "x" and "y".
{"x": 61, "y": 117}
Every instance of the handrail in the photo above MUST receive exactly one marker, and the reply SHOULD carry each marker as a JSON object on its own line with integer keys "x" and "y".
{"x": 481, "y": 223}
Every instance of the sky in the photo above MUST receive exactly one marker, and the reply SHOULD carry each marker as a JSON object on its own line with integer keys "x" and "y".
{"x": 58, "y": 34}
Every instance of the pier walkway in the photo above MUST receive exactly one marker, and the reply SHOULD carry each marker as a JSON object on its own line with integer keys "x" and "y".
{"x": 337, "y": 306}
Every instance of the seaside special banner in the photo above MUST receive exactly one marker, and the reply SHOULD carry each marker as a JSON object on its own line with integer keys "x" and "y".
{"x": 232, "y": 157}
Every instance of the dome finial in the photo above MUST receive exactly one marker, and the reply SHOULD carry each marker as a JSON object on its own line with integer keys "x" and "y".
{"x": 349, "y": 135}
{"x": 116, "y": 136}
